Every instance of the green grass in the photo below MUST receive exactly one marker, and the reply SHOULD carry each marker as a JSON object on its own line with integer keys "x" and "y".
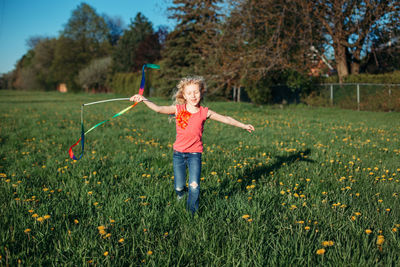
{"x": 305, "y": 176}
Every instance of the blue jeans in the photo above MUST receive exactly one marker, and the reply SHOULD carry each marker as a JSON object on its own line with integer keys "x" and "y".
{"x": 193, "y": 162}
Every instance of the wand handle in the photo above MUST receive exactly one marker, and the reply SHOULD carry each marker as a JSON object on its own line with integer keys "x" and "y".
{"x": 102, "y": 101}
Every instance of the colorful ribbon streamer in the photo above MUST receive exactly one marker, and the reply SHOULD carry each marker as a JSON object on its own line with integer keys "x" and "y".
{"x": 83, "y": 133}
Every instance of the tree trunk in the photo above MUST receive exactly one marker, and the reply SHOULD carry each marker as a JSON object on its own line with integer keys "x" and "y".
{"x": 341, "y": 62}
{"x": 355, "y": 63}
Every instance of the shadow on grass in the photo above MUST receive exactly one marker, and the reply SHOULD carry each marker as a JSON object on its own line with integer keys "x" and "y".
{"x": 228, "y": 187}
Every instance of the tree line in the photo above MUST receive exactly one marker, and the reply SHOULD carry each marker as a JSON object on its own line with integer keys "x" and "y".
{"x": 250, "y": 44}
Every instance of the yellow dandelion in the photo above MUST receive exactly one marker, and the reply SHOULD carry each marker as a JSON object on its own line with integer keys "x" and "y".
{"x": 30, "y": 211}
{"x": 27, "y": 230}
{"x": 307, "y": 228}
{"x": 76, "y": 221}
{"x": 40, "y": 219}
{"x": 368, "y": 231}
{"x": 149, "y": 252}
{"x": 102, "y": 232}
{"x": 121, "y": 240}
{"x": 101, "y": 227}
{"x": 328, "y": 243}
{"x": 105, "y": 253}
{"x": 321, "y": 251}
{"x": 46, "y": 217}
{"x": 246, "y": 216}
{"x": 380, "y": 240}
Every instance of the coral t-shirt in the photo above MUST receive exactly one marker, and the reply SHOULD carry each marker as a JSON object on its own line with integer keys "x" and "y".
{"x": 189, "y": 129}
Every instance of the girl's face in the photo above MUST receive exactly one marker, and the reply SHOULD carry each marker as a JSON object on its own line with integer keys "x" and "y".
{"x": 192, "y": 95}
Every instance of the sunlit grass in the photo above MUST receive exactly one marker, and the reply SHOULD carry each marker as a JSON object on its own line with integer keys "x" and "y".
{"x": 310, "y": 186}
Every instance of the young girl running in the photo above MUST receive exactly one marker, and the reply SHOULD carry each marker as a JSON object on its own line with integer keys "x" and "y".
{"x": 188, "y": 147}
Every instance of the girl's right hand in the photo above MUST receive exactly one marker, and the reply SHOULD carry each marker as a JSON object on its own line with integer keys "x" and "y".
{"x": 137, "y": 98}
{"x": 248, "y": 127}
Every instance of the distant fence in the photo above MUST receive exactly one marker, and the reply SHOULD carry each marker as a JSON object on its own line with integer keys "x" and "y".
{"x": 362, "y": 96}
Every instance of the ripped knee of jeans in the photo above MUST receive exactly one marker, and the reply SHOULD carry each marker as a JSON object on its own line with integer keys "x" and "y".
{"x": 179, "y": 189}
{"x": 194, "y": 185}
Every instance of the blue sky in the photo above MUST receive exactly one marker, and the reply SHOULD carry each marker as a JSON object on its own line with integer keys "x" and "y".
{"x": 22, "y": 19}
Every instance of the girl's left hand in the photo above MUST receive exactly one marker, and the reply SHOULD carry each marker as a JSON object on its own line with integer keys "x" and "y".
{"x": 248, "y": 127}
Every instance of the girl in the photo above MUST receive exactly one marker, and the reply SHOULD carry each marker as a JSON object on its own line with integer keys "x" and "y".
{"x": 188, "y": 147}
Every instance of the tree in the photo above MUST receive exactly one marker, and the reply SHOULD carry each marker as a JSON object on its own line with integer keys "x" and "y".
{"x": 42, "y": 62}
{"x": 348, "y": 26}
{"x": 184, "y": 54}
{"x": 115, "y": 28}
{"x": 86, "y": 26}
{"x": 95, "y": 75}
{"x": 67, "y": 62}
{"x": 84, "y": 38}
{"x": 138, "y": 45}
{"x": 25, "y": 78}
{"x": 384, "y": 53}
{"x": 260, "y": 39}
{"x": 6, "y": 80}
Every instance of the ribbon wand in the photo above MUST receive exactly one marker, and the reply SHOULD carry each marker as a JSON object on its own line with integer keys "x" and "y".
{"x": 83, "y": 133}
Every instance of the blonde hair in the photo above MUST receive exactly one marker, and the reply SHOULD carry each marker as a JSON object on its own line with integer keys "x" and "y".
{"x": 199, "y": 80}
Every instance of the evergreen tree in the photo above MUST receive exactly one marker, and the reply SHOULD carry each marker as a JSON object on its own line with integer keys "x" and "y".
{"x": 138, "y": 45}
{"x": 185, "y": 52}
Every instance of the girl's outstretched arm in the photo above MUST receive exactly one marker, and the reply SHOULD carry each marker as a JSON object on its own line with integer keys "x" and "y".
{"x": 152, "y": 106}
{"x": 228, "y": 120}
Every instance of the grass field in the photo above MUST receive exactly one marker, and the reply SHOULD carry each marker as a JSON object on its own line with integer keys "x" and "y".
{"x": 311, "y": 186}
